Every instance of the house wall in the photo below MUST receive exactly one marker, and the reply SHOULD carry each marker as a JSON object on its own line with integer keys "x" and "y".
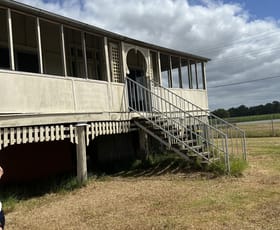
{"x": 43, "y": 94}
{"x": 196, "y": 96}
{"x": 33, "y": 93}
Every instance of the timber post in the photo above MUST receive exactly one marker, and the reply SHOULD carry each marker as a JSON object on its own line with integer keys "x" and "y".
{"x": 144, "y": 144}
{"x": 81, "y": 153}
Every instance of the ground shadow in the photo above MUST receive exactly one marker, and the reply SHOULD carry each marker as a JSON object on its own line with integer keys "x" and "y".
{"x": 158, "y": 166}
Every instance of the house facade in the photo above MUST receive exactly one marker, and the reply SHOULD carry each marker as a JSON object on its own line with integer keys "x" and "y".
{"x": 61, "y": 79}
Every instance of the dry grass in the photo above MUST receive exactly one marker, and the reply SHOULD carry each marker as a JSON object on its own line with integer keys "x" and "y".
{"x": 170, "y": 201}
{"x": 266, "y": 129}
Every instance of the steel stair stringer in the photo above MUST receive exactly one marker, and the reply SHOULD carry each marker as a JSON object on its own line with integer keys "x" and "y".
{"x": 167, "y": 144}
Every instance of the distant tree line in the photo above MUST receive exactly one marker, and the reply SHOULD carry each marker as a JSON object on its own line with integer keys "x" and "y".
{"x": 243, "y": 110}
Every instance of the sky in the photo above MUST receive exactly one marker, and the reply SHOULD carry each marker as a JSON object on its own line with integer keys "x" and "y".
{"x": 241, "y": 37}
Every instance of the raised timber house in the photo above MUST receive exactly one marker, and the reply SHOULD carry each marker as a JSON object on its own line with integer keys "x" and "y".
{"x": 63, "y": 82}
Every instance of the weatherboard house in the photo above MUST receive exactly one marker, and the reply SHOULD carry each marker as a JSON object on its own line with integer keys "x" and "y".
{"x": 72, "y": 93}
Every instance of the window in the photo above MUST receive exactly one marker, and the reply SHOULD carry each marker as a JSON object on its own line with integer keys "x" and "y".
{"x": 154, "y": 66}
{"x": 203, "y": 66}
{"x": 4, "y": 47}
{"x": 165, "y": 70}
{"x": 194, "y": 74}
{"x": 51, "y": 48}
{"x": 181, "y": 72}
{"x": 175, "y": 72}
{"x": 25, "y": 43}
{"x": 74, "y": 53}
{"x": 200, "y": 75}
{"x": 185, "y": 73}
{"x": 95, "y": 57}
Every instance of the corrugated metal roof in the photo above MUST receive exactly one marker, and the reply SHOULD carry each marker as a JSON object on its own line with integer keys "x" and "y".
{"x": 84, "y": 26}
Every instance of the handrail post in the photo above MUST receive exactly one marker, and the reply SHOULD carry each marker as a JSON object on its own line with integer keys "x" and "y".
{"x": 244, "y": 147}
{"x": 227, "y": 155}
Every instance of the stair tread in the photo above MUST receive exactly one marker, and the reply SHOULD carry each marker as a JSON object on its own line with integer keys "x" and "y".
{"x": 186, "y": 142}
{"x": 211, "y": 160}
{"x": 191, "y": 147}
{"x": 165, "y": 127}
{"x": 202, "y": 153}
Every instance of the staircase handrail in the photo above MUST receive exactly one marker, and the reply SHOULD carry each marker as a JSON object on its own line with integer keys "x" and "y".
{"x": 197, "y": 108}
{"x": 179, "y": 109}
{"x": 187, "y": 114}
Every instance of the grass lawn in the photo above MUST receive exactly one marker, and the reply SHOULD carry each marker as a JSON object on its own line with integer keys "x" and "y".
{"x": 266, "y": 129}
{"x": 161, "y": 198}
{"x": 254, "y": 118}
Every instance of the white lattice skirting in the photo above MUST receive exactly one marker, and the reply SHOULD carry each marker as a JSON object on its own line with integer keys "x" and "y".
{"x": 46, "y": 133}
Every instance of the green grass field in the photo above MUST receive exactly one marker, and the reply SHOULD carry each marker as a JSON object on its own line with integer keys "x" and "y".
{"x": 254, "y": 118}
{"x": 261, "y": 130}
{"x": 268, "y": 127}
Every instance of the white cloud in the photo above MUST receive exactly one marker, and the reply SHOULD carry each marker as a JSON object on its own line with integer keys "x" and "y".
{"x": 241, "y": 47}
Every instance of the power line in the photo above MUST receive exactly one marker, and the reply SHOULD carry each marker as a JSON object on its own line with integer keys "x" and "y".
{"x": 257, "y": 53}
{"x": 259, "y": 37}
{"x": 244, "y": 82}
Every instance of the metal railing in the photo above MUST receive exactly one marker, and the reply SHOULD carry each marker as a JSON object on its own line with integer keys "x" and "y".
{"x": 191, "y": 133}
{"x": 236, "y": 136}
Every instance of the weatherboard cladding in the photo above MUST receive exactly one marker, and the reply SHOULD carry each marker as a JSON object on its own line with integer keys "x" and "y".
{"x": 90, "y": 28}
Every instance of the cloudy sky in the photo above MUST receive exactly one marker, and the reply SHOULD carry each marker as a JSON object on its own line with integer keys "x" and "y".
{"x": 242, "y": 38}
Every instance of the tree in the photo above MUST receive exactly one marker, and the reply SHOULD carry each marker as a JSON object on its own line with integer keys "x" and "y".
{"x": 221, "y": 113}
{"x": 276, "y": 106}
{"x": 243, "y": 110}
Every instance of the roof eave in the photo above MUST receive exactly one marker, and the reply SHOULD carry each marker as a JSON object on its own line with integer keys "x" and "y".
{"x": 68, "y": 21}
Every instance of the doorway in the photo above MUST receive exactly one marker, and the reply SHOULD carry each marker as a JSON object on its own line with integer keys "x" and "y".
{"x": 138, "y": 94}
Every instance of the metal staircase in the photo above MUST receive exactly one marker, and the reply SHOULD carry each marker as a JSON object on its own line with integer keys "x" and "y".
{"x": 188, "y": 130}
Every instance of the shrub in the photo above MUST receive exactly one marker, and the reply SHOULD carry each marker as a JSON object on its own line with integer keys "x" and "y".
{"x": 237, "y": 166}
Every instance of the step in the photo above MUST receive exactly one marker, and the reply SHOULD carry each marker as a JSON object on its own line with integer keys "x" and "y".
{"x": 187, "y": 142}
{"x": 156, "y": 117}
{"x": 192, "y": 135}
{"x": 205, "y": 154}
{"x": 146, "y": 119}
{"x": 188, "y": 131}
{"x": 196, "y": 147}
{"x": 211, "y": 160}
{"x": 174, "y": 132}
{"x": 148, "y": 124}
{"x": 181, "y": 140}
{"x": 161, "y": 121}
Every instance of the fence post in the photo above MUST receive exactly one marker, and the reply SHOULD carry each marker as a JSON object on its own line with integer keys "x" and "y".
{"x": 272, "y": 126}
